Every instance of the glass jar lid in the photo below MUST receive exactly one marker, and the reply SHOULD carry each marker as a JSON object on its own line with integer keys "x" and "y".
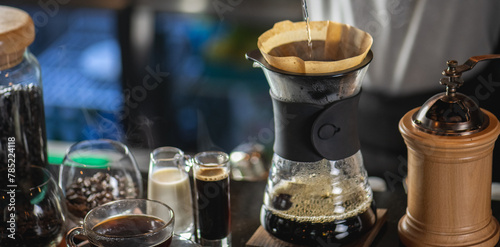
{"x": 17, "y": 32}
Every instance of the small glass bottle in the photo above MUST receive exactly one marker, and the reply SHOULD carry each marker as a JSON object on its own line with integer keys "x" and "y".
{"x": 23, "y": 139}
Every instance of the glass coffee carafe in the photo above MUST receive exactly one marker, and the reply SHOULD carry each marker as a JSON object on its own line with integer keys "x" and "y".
{"x": 317, "y": 191}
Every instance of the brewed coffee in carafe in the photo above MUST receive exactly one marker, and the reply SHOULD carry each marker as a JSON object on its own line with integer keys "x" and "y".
{"x": 317, "y": 192}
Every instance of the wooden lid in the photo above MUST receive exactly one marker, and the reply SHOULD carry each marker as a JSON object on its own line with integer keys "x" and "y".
{"x": 17, "y": 32}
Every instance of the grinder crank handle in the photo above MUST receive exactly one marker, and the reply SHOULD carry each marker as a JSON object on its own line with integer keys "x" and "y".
{"x": 470, "y": 63}
{"x": 453, "y": 74}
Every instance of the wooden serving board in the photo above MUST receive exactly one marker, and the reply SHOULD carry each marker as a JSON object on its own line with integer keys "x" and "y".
{"x": 262, "y": 238}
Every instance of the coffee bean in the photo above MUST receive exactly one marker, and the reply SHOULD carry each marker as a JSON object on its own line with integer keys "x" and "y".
{"x": 22, "y": 115}
{"x": 88, "y": 192}
{"x": 91, "y": 197}
{"x": 86, "y": 182}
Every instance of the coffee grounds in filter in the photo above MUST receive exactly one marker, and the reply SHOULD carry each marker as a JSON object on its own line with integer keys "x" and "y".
{"x": 344, "y": 45}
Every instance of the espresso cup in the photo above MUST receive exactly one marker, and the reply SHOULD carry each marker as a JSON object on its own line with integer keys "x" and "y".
{"x": 128, "y": 222}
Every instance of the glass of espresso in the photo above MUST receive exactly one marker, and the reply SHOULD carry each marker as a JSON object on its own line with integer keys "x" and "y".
{"x": 211, "y": 173}
{"x": 127, "y": 222}
{"x": 169, "y": 183}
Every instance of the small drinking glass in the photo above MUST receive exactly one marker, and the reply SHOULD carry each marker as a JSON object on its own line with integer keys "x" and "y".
{"x": 32, "y": 208}
{"x": 211, "y": 173}
{"x": 169, "y": 183}
{"x": 127, "y": 222}
{"x": 95, "y": 172}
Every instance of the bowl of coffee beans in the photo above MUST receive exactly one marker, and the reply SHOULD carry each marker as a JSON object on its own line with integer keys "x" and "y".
{"x": 95, "y": 172}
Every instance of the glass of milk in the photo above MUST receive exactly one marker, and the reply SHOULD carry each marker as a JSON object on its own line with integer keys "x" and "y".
{"x": 169, "y": 183}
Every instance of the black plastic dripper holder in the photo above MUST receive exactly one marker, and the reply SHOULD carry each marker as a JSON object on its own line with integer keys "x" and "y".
{"x": 315, "y": 115}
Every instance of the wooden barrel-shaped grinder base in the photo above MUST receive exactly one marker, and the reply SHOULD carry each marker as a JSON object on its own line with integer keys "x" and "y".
{"x": 449, "y": 187}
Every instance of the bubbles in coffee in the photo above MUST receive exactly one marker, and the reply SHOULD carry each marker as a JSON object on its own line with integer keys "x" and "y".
{"x": 318, "y": 213}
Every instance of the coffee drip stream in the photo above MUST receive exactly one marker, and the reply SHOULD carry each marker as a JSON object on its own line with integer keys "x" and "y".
{"x": 317, "y": 190}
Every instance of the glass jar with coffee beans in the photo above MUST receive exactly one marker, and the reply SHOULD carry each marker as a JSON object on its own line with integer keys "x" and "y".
{"x": 22, "y": 119}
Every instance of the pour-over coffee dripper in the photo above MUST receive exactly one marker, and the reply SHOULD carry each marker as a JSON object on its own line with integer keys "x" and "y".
{"x": 317, "y": 190}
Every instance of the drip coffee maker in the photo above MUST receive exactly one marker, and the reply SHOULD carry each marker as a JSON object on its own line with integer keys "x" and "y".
{"x": 317, "y": 191}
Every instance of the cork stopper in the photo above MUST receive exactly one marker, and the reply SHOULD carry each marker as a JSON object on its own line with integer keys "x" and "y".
{"x": 17, "y": 32}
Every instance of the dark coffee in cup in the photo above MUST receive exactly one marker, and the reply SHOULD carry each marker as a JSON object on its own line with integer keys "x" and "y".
{"x": 127, "y": 222}
{"x": 128, "y": 230}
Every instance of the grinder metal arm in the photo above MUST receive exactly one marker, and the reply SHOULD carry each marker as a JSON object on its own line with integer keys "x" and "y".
{"x": 453, "y": 73}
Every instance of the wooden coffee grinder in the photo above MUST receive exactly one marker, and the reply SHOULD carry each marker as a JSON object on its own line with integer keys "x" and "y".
{"x": 450, "y": 144}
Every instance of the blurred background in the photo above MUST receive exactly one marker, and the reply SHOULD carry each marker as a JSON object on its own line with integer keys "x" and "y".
{"x": 156, "y": 73}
